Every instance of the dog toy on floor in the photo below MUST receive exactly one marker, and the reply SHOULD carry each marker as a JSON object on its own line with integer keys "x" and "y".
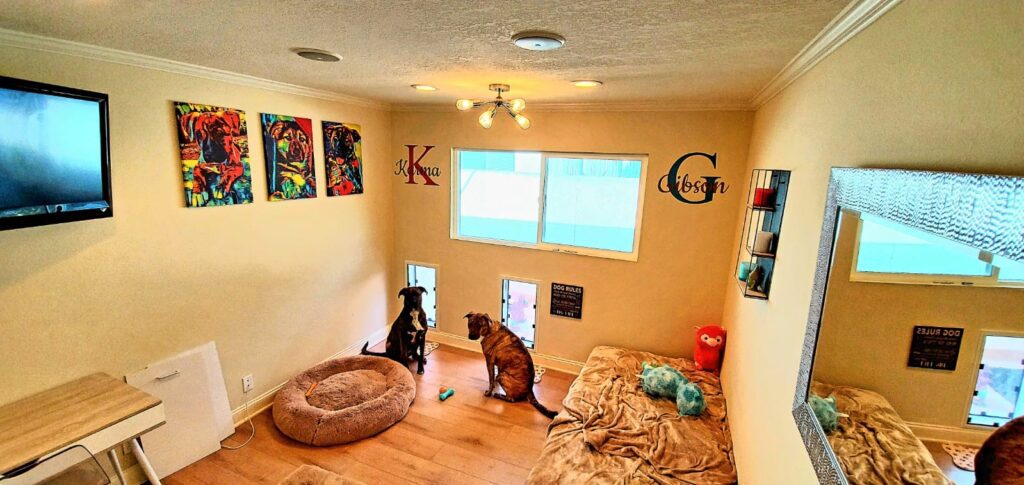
{"x": 666, "y": 381}
{"x": 444, "y": 393}
{"x": 707, "y": 354}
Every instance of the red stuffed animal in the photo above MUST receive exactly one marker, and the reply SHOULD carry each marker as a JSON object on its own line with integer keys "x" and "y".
{"x": 707, "y": 354}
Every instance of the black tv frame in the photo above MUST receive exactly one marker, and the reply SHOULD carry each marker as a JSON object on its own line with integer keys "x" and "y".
{"x": 18, "y": 222}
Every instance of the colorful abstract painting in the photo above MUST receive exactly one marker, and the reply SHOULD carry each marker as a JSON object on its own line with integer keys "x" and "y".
{"x": 288, "y": 150}
{"x": 214, "y": 155}
{"x": 343, "y": 152}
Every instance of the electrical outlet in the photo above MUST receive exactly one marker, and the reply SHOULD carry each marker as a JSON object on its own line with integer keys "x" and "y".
{"x": 247, "y": 383}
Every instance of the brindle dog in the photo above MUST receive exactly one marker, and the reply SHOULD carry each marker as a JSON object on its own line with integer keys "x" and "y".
{"x": 407, "y": 340}
{"x": 505, "y": 351}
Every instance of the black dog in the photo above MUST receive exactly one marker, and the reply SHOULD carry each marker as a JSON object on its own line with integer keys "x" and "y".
{"x": 407, "y": 339}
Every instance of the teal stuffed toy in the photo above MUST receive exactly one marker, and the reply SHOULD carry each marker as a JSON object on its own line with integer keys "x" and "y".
{"x": 826, "y": 412}
{"x": 666, "y": 381}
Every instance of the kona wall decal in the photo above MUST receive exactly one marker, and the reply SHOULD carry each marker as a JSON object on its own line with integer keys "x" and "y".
{"x": 413, "y": 166}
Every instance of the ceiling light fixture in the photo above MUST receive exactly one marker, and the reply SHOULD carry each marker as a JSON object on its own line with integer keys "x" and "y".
{"x": 423, "y": 87}
{"x": 587, "y": 83}
{"x": 538, "y": 40}
{"x": 316, "y": 54}
{"x": 512, "y": 107}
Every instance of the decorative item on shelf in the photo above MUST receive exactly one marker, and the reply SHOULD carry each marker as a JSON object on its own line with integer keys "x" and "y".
{"x": 762, "y": 226}
{"x": 764, "y": 198}
{"x": 744, "y": 271}
{"x": 763, "y": 242}
{"x": 754, "y": 279}
{"x": 512, "y": 107}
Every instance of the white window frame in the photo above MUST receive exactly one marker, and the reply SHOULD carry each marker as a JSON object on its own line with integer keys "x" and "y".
{"x": 991, "y": 281}
{"x": 532, "y": 346}
{"x": 541, "y": 245}
{"x": 437, "y": 282}
{"x": 978, "y": 354}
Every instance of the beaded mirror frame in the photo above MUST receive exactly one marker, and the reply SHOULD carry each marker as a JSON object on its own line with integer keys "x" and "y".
{"x": 984, "y": 211}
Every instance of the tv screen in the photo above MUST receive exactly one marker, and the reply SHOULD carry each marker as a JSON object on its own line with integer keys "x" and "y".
{"x": 54, "y": 161}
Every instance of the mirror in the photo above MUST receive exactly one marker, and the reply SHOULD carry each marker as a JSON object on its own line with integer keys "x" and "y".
{"x": 915, "y": 346}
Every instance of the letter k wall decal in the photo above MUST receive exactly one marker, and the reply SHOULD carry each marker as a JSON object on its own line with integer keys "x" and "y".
{"x": 413, "y": 167}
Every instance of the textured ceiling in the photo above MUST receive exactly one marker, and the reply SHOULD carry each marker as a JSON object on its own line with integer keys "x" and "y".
{"x": 701, "y": 52}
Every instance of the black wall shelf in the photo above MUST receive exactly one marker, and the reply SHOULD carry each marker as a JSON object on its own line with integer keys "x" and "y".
{"x": 766, "y": 203}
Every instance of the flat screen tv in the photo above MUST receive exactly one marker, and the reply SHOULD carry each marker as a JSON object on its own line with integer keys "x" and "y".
{"x": 54, "y": 158}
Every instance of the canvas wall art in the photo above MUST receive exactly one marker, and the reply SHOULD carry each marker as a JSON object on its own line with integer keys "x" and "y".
{"x": 288, "y": 154}
{"x": 343, "y": 153}
{"x": 214, "y": 155}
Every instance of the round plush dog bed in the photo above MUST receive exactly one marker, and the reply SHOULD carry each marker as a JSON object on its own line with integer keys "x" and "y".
{"x": 354, "y": 397}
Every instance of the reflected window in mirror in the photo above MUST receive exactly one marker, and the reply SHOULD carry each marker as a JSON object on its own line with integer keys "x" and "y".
{"x": 889, "y": 252}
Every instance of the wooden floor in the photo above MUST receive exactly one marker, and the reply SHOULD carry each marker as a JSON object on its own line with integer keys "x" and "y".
{"x": 466, "y": 439}
{"x": 945, "y": 462}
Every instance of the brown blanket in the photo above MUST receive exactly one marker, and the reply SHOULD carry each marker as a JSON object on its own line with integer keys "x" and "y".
{"x": 874, "y": 445}
{"x": 610, "y": 431}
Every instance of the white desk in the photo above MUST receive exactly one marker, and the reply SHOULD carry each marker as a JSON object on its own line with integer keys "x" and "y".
{"x": 98, "y": 412}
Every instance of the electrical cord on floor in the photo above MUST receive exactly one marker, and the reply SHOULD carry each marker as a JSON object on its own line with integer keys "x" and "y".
{"x": 245, "y": 410}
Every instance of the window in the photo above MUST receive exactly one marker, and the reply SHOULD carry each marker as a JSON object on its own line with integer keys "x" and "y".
{"x": 519, "y": 309}
{"x": 425, "y": 276}
{"x": 888, "y": 252}
{"x": 575, "y": 203}
{"x": 997, "y": 392}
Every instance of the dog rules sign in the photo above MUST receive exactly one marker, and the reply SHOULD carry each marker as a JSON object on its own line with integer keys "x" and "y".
{"x": 566, "y": 300}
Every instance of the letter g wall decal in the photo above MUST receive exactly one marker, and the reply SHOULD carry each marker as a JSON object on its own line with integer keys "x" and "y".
{"x": 671, "y": 184}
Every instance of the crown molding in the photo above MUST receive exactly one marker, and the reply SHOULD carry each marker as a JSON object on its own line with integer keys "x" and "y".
{"x": 849, "y": 22}
{"x": 587, "y": 107}
{"x": 22, "y": 40}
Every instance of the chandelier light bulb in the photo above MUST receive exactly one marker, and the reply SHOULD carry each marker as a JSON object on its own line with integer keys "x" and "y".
{"x": 486, "y": 118}
{"x": 523, "y": 122}
{"x": 517, "y": 105}
{"x": 464, "y": 104}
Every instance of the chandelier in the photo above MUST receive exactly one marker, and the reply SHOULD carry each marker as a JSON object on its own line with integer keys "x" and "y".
{"x": 512, "y": 107}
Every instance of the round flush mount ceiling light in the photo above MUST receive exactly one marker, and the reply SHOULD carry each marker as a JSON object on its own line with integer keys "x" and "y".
{"x": 423, "y": 87}
{"x": 538, "y": 40}
{"x": 316, "y": 54}
{"x": 587, "y": 83}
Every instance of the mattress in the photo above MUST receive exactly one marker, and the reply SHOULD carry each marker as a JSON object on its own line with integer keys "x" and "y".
{"x": 874, "y": 445}
{"x": 610, "y": 431}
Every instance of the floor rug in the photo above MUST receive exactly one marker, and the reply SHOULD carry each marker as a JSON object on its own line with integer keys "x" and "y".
{"x": 430, "y": 347}
{"x": 314, "y": 475}
{"x": 963, "y": 455}
{"x": 538, "y": 373}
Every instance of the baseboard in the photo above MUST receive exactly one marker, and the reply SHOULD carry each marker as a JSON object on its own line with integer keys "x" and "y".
{"x": 952, "y": 434}
{"x": 263, "y": 401}
{"x": 549, "y": 361}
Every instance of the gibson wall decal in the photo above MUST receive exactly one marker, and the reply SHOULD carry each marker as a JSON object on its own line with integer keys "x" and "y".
{"x": 670, "y": 183}
{"x": 412, "y": 167}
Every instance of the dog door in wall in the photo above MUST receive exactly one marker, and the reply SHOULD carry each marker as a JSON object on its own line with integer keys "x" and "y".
{"x": 998, "y": 395}
{"x": 425, "y": 275}
{"x": 519, "y": 309}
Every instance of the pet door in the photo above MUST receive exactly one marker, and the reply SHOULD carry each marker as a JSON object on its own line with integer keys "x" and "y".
{"x": 997, "y": 393}
{"x": 425, "y": 276}
{"x": 519, "y": 309}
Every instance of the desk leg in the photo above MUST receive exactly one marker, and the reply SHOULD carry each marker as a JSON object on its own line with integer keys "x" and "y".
{"x": 144, "y": 462}
{"x": 112, "y": 454}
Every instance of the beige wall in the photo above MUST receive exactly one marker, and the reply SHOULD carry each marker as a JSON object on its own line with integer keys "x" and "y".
{"x": 279, "y": 286}
{"x": 931, "y": 85}
{"x": 866, "y": 331}
{"x": 651, "y": 304}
